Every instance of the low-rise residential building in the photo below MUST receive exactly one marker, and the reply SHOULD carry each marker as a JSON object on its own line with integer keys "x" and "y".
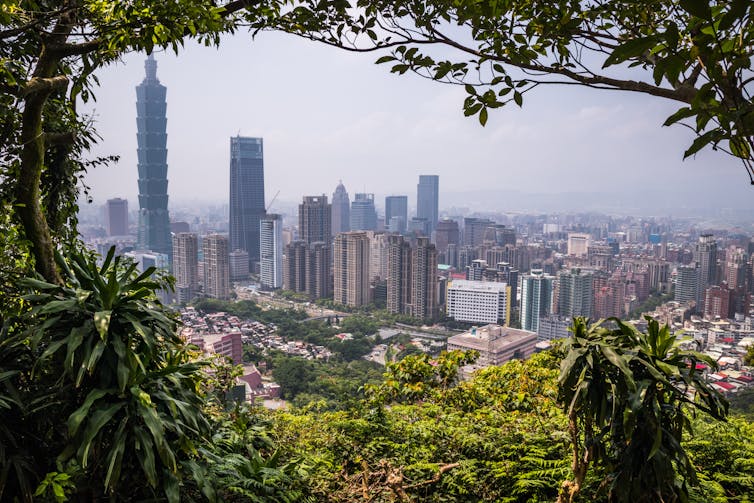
{"x": 496, "y": 344}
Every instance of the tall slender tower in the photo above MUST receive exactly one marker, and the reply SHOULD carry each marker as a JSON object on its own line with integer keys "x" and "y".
{"x": 424, "y": 280}
{"x": 705, "y": 256}
{"x": 246, "y": 194}
{"x": 185, "y": 265}
{"x": 351, "y": 269}
{"x": 271, "y": 251}
{"x": 314, "y": 219}
{"x": 536, "y": 298}
{"x": 216, "y": 266}
{"x": 341, "y": 210}
{"x": 398, "y": 274}
{"x": 151, "y": 122}
{"x": 428, "y": 199}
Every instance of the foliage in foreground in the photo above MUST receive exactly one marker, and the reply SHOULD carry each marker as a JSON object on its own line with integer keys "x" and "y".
{"x": 501, "y": 436}
{"x": 628, "y": 396}
{"x": 100, "y": 398}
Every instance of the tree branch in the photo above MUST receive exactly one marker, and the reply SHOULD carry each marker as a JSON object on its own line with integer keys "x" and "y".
{"x": 64, "y": 50}
{"x": 44, "y": 85}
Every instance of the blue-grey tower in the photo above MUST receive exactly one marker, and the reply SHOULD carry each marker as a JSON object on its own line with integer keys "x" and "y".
{"x": 151, "y": 121}
{"x": 427, "y": 199}
{"x": 246, "y": 194}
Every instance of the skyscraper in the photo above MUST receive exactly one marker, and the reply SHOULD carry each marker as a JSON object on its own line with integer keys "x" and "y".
{"x": 116, "y": 217}
{"x": 271, "y": 251}
{"x": 575, "y": 293}
{"x": 216, "y": 266}
{"x": 705, "y": 256}
{"x": 351, "y": 269}
{"x": 151, "y": 123}
{"x": 185, "y": 265}
{"x": 446, "y": 233}
{"x": 474, "y": 230}
{"x": 398, "y": 274}
{"x": 396, "y": 207}
{"x": 246, "y": 194}
{"x": 341, "y": 210}
{"x": 315, "y": 219}
{"x": 536, "y": 298}
{"x": 294, "y": 266}
{"x": 428, "y": 199}
{"x": 363, "y": 214}
{"x": 424, "y": 280}
{"x": 686, "y": 284}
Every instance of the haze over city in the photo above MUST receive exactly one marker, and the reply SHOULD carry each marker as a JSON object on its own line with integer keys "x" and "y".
{"x": 327, "y": 115}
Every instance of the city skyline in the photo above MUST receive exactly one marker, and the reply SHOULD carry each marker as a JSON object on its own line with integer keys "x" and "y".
{"x": 588, "y": 142}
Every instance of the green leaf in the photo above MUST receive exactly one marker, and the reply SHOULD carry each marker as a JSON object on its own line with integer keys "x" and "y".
{"x": 630, "y": 49}
{"x": 518, "y": 98}
{"x": 98, "y": 420}
{"x": 698, "y": 8}
{"x": 78, "y": 416}
{"x": 702, "y": 141}
{"x": 483, "y": 116}
{"x": 384, "y": 59}
{"x": 739, "y": 147}
{"x": 102, "y": 322}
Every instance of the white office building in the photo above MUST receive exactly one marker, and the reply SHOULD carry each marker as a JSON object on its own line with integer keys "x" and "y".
{"x": 479, "y": 302}
{"x": 271, "y": 251}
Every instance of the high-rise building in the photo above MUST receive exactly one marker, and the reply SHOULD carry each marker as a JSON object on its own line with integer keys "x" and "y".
{"x": 294, "y": 266}
{"x": 378, "y": 255}
{"x": 363, "y": 213}
{"x": 246, "y": 194}
{"x": 351, "y": 269}
{"x": 396, "y": 213}
{"x": 578, "y": 244}
{"x": 151, "y": 123}
{"x": 239, "y": 265}
{"x": 424, "y": 280}
{"x": 271, "y": 251}
{"x": 705, "y": 256}
{"x": 446, "y": 233}
{"x": 536, "y": 298}
{"x": 116, "y": 217}
{"x": 318, "y": 269}
{"x": 398, "y": 274}
{"x": 341, "y": 210}
{"x": 479, "y": 302}
{"x": 686, "y": 283}
{"x": 216, "y": 266}
{"x": 575, "y": 293}
{"x": 185, "y": 265}
{"x": 474, "y": 230}
{"x": 499, "y": 235}
{"x": 717, "y": 302}
{"x": 427, "y": 199}
{"x": 315, "y": 219}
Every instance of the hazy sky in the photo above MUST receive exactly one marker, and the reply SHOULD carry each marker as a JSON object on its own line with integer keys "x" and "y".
{"x": 327, "y": 115}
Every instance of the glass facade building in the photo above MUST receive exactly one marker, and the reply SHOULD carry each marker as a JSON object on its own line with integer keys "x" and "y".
{"x": 396, "y": 213}
{"x": 151, "y": 136}
{"x": 428, "y": 199}
{"x": 246, "y": 194}
{"x": 363, "y": 213}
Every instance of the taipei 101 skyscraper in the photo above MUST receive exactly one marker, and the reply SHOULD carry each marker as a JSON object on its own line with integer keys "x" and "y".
{"x": 151, "y": 121}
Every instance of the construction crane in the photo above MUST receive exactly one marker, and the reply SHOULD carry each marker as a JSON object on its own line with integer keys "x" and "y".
{"x": 272, "y": 201}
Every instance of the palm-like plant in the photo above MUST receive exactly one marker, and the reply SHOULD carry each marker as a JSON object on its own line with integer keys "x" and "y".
{"x": 132, "y": 410}
{"x": 627, "y": 395}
